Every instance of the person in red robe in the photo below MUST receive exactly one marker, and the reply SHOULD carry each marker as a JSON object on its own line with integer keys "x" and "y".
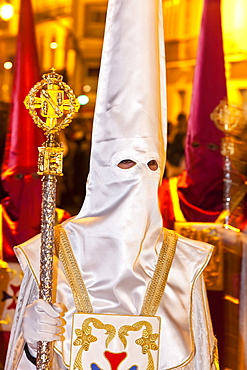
{"x": 200, "y": 187}
{"x": 196, "y": 196}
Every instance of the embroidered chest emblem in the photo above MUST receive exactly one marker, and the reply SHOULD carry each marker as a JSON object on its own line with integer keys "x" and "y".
{"x": 114, "y": 342}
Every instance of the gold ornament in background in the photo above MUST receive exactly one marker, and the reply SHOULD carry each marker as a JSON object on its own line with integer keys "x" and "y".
{"x": 214, "y": 271}
{"x": 58, "y": 113}
{"x": 228, "y": 117}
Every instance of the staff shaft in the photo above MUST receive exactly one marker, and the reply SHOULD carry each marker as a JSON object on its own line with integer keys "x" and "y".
{"x": 46, "y": 259}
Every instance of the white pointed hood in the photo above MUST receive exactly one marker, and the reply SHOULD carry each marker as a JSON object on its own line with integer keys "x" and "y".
{"x": 118, "y": 232}
{"x": 131, "y": 99}
{"x": 130, "y": 114}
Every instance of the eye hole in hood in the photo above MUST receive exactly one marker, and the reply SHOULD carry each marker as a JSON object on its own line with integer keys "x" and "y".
{"x": 129, "y": 163}
{"x": 153, "y": 165}
{"x": 126, "y": 163}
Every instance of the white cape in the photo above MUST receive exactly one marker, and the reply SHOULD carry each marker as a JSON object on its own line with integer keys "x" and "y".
{"x": 187, "y": 339}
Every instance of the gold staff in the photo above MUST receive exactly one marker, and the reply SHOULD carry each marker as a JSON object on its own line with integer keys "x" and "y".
{"x": 49, "y": 96}
{"x": 228, "y": 118}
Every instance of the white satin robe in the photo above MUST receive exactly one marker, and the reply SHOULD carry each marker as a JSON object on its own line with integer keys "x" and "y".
{"x": 187, "y": 339}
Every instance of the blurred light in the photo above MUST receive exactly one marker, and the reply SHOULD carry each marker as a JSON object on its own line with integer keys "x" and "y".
{"x": 8, "y": 65}
{"x": 53, "y": 45}
{"x": 239, "y": 18}
{"x": 83, "y": 99}
{"x": 170, "y": 3}
{"x": 232, "y": 228}
{"x": 87, "y": 88}
{"x": 6, "y": 11}
{"x": 5, "y": 88}
{"x": 231, "y": 299}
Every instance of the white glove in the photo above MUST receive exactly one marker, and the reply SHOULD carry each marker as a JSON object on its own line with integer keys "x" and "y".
{"x": 41, "y": 322}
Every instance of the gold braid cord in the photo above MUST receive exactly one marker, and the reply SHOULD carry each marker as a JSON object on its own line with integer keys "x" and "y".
{"x": 154, "y": 292}
{"x": 216, "y": 355}
{"x": 156, "y": 288}
{"x": 72, "y": 271}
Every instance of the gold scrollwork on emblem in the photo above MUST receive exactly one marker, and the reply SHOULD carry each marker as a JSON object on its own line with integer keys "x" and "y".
{"x": 85, "y": 337}
{"x": 147, "y": 341}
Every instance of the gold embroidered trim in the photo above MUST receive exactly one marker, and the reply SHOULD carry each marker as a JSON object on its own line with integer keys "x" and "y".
{"x": 72, "y": 271}
{"x": 154, "y": 292}
{"x": 156, "y": 288}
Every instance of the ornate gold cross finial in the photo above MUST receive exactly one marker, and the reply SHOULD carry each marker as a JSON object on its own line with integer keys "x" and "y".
{"x": 57, "y": 110}
{"x": 58, "y": 113}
